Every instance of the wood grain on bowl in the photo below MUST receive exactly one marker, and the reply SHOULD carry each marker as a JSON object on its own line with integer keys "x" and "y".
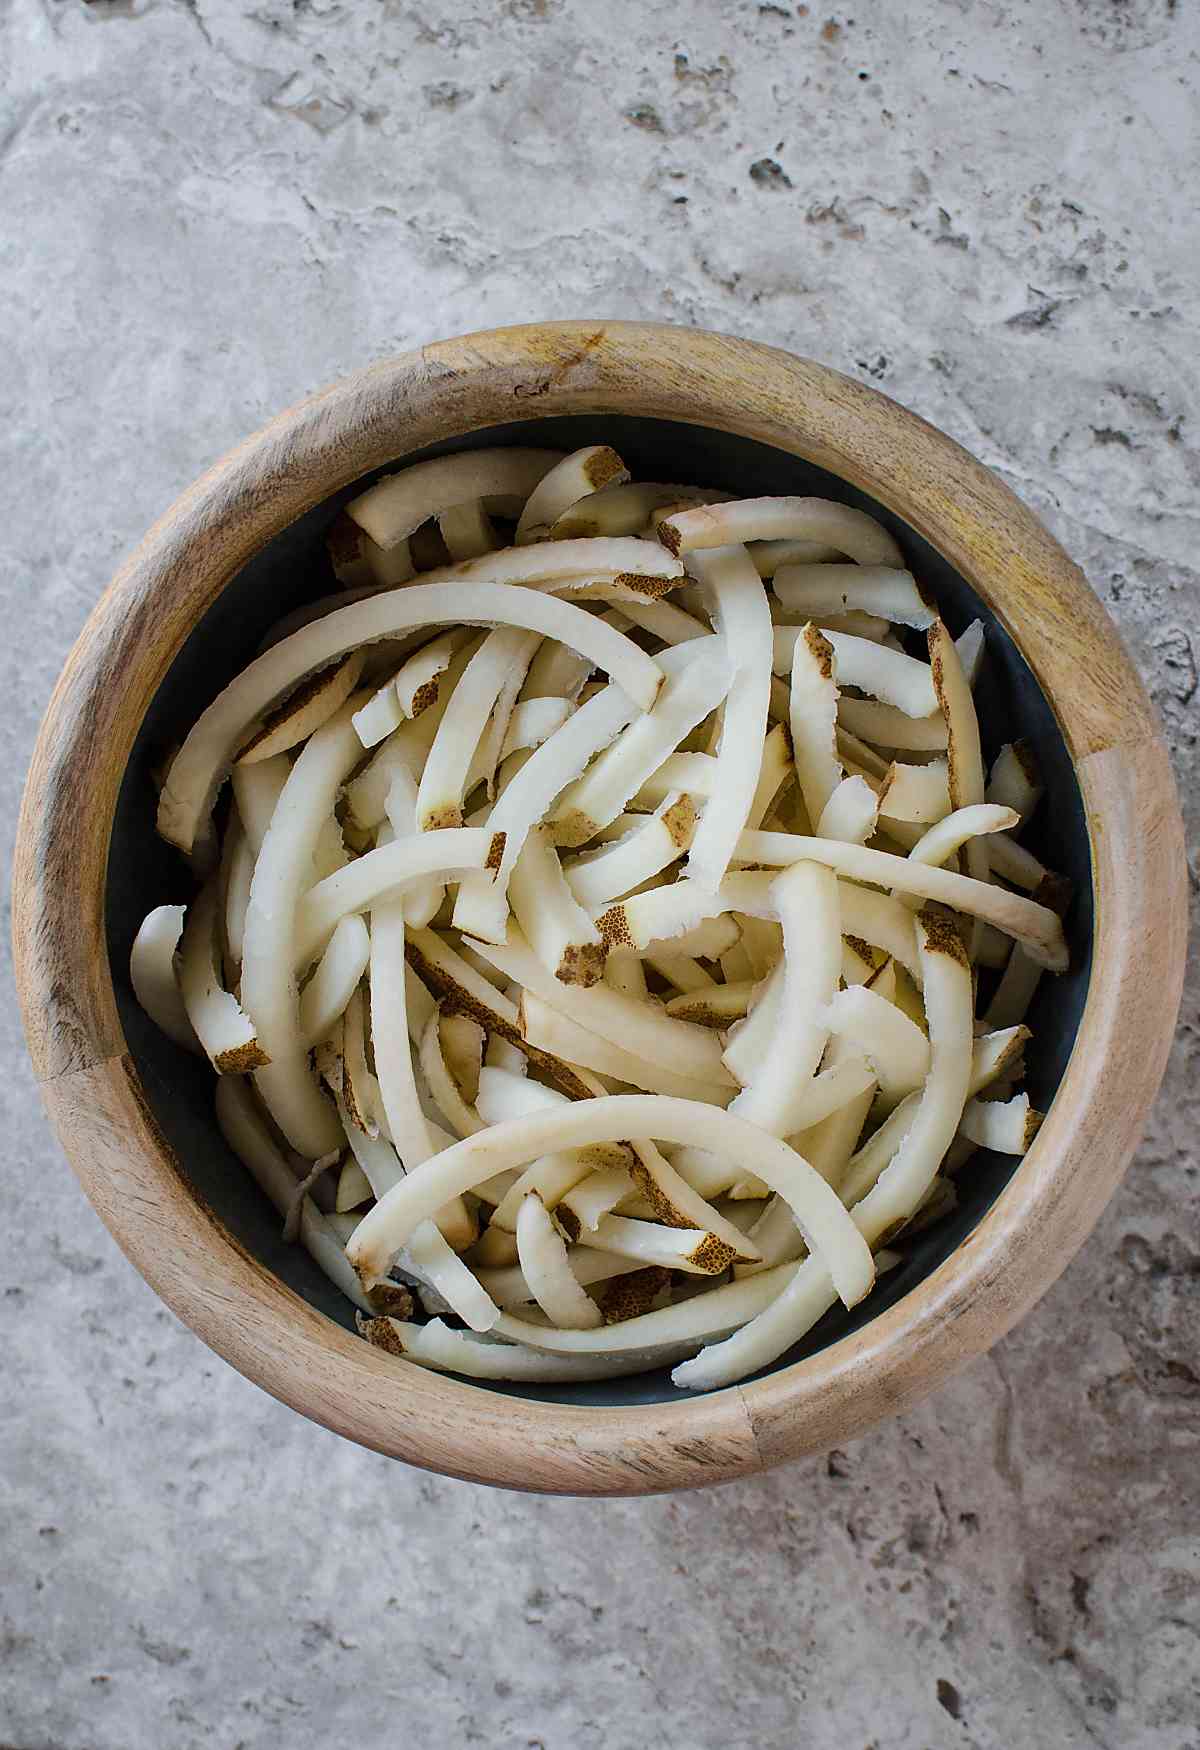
{"x": 93, "y": 1087}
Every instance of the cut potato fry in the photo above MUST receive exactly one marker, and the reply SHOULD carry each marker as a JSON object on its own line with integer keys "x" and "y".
{"x": 623, "y": 508}
{"x": 884, "y": 726}
{"x": 813, "y": 720}
{"x": 814, "y": 590}
{"x": 1035, "y": 925}
{"x": 467, "y": 530}
{"x": 1008, "y": 1126}
{"x": 576, "y": 476}
{"x": 965, "y": 779}
{"x": 851, "y": 812}
{"x": 549, "y": 1030}
{"x": 700, "y": 682}
{"x": 892, "y": 1044}
{"x": 1014, "y": 780}
{"x": 743, "y": 621}
{"x": 230, "y": 1037}
{"x": 555, "y": 925}
{"x": 770, "y": 557}
{"x": 335, "y": 979}
{"x": 435, "y": 1345}
{"x": 390, "y": 510}
{"x": 852, "y": 532}
{"x": 626, "y": 863}
{"x": 153, "y": 977}
{"x": 304, "y": 711}
{"x": 919, "y": 794}
{"x": 546, "y": 1266}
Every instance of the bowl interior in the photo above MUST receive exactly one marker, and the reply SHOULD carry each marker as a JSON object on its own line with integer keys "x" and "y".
{"x": 292, "y": 569}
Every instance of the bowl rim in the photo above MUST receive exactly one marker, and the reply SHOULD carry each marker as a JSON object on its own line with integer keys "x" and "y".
{"x": 458, "y": 387}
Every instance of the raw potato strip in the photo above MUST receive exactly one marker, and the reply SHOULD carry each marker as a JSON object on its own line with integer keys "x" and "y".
{"x": 481, "y": 908}
{"x": 550, "y": 1030}
{"x": 404, "y": 750}
{"x": 655, "y": 1335}
{"x": 623, "y": 970}
{"x": 1034, "y": 925}
{"x": 813, "y": 720}
{"x": 850, "y": 813}
{"x": 197, "y": 769}
{"x": 1013, "y": 863}
{"x": 358, "y": 560}
{"x": 1017, "y": 988}
{"x": 417, "y": 684}
{"x": 892, "y": 1044}
{"x": 576, "y": 476}
{"x": 936, "y": 846}
{"x": 852, "y": 532}
{"x": 629, "y": 861}
{"x": 587, "y": 1204}
{"x": 390, "y": 510}
{"x": 915, "y": 793}
{"x": 247, "y": 1136}
{"x": 888, "y": 675}
{"x": 443, "y": 779}
{"x": 970, "y": 648}
{"x": 892, "y": 595}
{"x": 623, "y": 508}
{"x": 965, "y": 757}
{"x": 1008, "y": 1126}
{"x": 382, "y": 872}
{"x": 229, "y": 1036}
{"x": 693, "y": 773}
{"x": 992, "y": 1057}
{"x": 469, "y": 992}
{"x": 770, "y": 557}
{"x": 664, "y": 620}
{"x": 152, "y": 974}
{"x": 381, "y": 714}
{"x": 672, "y": 1248}
{"x": 555, "y": 673}
{"x": 1014, "y": 781}
{"x": 555, "y": 925}
{"x": 533, "y": 722}
{"x": 876, "y": 920}
{"x": 677, "y": 1204}
{"x": 274, "y": 921}
{"x": 423, "y": 898}
{"x": 446, "y": 1095}
{"x": 462, "y": 1047}
{"x": 901, "y": 1187}
{"x": 665, "y": 914}
{"x": 313, "y": 703}
{"x": 256, "y": 790}
{"x": 713, "y": 1005}
{"x": 886, "y": 727}
{"x": 554, "y": 565}
{"x": 819, "y": 1214}
{"x": 324, "y": 998}
{"x": 681, "y": 970}
{"x": 542, "y": 1253}
{"x": 694, "y": 687}
{"x": 491, "y": 742}
{"x": 436, "y": 1346}
{"x": 743, "y": 620}
{"x": 356, "y": 1088}
{"x": 467, "y": 530}
{"x": 775, "y": 769}
{"x": 806, "y": 900}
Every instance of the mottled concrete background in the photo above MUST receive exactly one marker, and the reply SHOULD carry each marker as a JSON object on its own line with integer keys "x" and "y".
{"x": 989, "y": 209}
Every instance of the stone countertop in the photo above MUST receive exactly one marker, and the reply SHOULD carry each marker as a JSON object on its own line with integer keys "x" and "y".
{"x": 987, "y": 209}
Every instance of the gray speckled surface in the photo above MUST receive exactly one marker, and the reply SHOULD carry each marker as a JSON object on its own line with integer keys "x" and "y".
{"x": 989, "y": 209}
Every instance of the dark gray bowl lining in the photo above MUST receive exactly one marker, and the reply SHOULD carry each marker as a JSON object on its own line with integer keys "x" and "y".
{"x": 293, "y": 569}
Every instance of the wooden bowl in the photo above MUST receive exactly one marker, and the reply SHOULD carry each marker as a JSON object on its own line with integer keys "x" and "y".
{"x": 242, "y": 546}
